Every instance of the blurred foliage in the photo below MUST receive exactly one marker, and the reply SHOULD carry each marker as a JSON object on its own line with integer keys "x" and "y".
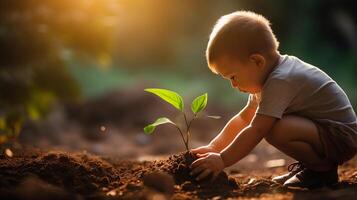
{"x": 33, "y": 38}
{"x": 57, "y": 51}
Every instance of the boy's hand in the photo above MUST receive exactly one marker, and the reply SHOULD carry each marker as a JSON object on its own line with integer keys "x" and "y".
{"x": 204, "y": 149}
{"x": 206, "y": 164}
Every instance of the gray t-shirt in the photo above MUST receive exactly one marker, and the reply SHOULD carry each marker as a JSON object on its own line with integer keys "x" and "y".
{"x": 296, "y": 87}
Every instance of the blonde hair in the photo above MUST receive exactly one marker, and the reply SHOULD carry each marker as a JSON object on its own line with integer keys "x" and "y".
{"x": 240, "y": 33}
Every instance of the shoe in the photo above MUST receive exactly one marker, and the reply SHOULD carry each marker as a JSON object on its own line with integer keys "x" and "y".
{"x": 310, "y": 179}
{"x": 293, "y": 169}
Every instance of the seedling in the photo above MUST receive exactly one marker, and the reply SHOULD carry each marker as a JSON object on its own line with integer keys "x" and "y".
{"x": 173, "y": 98}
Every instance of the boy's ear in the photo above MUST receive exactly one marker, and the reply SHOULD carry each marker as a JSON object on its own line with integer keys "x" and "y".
{"x": 258, "y": 59}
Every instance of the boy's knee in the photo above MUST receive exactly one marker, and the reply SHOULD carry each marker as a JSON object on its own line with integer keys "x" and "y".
{"x": 277, "y": 134}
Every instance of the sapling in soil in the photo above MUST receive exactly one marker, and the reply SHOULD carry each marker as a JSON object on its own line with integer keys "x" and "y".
{"x": 173, "y": 98}
{"x": 178, "y": 165}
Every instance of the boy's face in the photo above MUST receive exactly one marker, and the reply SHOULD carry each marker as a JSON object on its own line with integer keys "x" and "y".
{"x": 244, "y": 75}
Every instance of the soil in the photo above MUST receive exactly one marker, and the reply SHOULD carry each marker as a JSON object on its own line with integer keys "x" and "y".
{"x": 55, "y": 174}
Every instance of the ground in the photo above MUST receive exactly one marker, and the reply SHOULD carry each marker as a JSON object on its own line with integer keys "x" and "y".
{"x": 97, "y": 150}
{"x": 53, "y": 174}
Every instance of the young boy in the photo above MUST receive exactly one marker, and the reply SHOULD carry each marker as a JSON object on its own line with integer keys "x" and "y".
{"x": 293, "y": 105}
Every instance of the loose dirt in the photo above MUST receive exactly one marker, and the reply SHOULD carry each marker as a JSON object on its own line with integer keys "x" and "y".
{"x": 54, "y": 174}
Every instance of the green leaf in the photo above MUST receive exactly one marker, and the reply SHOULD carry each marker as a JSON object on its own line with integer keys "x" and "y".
{"x": 169, "y": 96}
{"x": 213, "y": 116}
{"x": 199, "y": 103}
{"x": 151, "y": 127}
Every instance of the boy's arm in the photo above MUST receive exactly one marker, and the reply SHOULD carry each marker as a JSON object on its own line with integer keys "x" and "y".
{"x": 247, "y": 139}
{"x": 233, "y": 127}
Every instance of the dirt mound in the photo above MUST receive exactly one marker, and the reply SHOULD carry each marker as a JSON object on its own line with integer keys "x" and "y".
{"x": 79, "y": 173}
{"x": 178, "y": 165}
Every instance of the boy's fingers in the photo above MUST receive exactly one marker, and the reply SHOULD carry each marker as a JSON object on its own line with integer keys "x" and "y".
{"x": 196, "y": 170}
{"x": 205, "y": 173}
{"x": 202, "y": 154}
{"x": 197, "y": 162}
{"x": 197, "y": 150}
{"x": 214, "y": 176}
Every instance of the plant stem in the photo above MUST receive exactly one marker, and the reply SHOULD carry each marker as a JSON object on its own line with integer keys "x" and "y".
{"x": 184, "y": 115}
{"x": 188, "y": 125}
{"x": 178, "y": 128}
{"x": 187, "y": 129}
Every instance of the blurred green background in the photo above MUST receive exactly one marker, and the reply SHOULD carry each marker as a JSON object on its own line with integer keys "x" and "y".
{"x": 66, "y": 52}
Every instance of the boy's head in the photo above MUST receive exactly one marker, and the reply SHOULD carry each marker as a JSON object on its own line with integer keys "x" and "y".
{"x": 242, "y": 43}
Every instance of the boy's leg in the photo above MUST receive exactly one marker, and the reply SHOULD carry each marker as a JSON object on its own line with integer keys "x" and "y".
{"x": 298, "y": 137}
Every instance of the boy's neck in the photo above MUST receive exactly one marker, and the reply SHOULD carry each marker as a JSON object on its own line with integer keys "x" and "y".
{"x": 272, "y": 64}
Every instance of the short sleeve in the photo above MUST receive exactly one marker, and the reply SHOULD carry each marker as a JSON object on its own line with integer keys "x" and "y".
{"x": 276, "y": 96}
